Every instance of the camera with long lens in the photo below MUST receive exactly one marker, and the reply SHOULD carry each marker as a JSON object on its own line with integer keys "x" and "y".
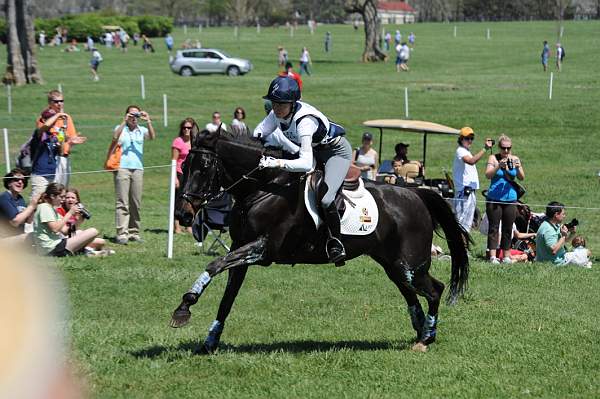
{"x": 573, "y": 223}
{"x": 510, "y": 164}
{"x": 84, "y": 212}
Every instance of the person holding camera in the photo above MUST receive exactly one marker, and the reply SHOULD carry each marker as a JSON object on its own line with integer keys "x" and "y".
{"x": 502, "y": 169}
{"x": 70, "y": 200}
{"x": 50, "y": 230}
{"x": 466, "y": 179}
{"x": 552, "y": 235}
{"x": 130, "y": 136}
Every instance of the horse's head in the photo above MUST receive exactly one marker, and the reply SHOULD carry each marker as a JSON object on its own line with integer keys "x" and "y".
{"x": 202, "y": 172}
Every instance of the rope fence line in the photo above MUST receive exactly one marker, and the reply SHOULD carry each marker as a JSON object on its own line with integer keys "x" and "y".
{"x": 529, "y": 205}
{"x": 95, "y": 171}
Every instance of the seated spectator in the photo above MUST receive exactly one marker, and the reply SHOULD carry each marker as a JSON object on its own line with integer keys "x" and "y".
{"x": 50, "y": 229}
{"x": 580, "y": 255}
{"x": 365, "y": 157}
{"x": 515, "y": 255}
{"x": 401, "y": 150}
{"x": 403, "y": 173}
{"x": 237, "y": 124}
{"x": 552, "y": 235}
{"x": 14, "y": 213}
{"x": 215, "y": 123}
{"x": 72, "y": 199}
{"x": 72, "y": 47}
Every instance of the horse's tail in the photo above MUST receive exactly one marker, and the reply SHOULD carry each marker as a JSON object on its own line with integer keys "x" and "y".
{"x": 457, "y": 237}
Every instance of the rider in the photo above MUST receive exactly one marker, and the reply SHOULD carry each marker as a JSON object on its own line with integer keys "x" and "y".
{"x": 317, "y": 138}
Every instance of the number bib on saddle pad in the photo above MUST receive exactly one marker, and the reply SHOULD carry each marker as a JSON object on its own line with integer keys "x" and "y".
{"x": 360, "y": 217}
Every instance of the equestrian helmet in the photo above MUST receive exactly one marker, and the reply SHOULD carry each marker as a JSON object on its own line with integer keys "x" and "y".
{"x": 283, "y": 89}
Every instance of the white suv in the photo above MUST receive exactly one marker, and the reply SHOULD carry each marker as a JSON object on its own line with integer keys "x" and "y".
{"x": 205, "y": 60}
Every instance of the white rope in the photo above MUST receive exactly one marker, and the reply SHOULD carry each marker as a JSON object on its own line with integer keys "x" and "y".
{"x": 96, "y": 171}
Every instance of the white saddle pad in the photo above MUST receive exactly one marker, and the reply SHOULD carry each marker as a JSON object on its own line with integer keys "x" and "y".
{"x": 359, "y": 219}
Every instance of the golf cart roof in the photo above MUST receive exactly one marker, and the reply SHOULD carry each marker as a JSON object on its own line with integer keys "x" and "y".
{"x": 411, "y": 126}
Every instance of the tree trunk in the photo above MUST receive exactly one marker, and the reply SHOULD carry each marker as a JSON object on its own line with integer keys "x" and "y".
{"x": 368, "y": 10}
{"x": 21, "y": 66}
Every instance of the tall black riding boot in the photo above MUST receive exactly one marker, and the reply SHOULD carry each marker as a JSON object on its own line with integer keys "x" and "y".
{"x": 334, "y": 247}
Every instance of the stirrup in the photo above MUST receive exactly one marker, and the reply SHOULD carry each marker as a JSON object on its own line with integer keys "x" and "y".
{"x": 335, "y": 251}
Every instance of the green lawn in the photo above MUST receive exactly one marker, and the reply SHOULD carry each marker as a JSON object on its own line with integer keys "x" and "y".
{"x": 525, "y": 330}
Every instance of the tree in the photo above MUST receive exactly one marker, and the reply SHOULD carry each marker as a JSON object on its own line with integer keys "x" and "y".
{"x": 368, "y": 10}
{"x": 21, "y": 65}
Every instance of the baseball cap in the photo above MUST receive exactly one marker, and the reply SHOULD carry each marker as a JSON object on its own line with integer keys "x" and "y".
{"x": 367, "y": 136}
{"x": 466, "y": 132}
{"x": 402, "y": 145}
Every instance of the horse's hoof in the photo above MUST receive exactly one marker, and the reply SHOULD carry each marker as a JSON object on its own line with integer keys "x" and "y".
{"x": 180, "y": 318}
{"x": 419, "y": 347}
{"x": 206, "y": 349}
{"x": 201, "y": 350}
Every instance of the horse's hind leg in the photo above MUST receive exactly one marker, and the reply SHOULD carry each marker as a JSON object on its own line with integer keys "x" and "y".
{"x": 234, "y": 283}
{"x": 432, "y": 290}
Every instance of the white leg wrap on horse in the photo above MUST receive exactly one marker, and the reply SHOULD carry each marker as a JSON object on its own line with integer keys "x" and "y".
{"x": 201, "y": 283}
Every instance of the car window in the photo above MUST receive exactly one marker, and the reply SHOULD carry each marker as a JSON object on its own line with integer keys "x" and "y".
{"x": 213, "y": 55}
{"x": 194, "y": 54}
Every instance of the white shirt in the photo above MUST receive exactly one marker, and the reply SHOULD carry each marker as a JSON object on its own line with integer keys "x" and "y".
{"x": 464, "y": 175}
{"x": 211, "y": 127}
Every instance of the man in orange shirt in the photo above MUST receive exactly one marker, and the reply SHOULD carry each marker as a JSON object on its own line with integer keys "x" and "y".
{"x": 64, "y": 130}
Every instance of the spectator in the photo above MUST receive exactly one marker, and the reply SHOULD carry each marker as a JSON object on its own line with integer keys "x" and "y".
{"x": 401, "y": 151}
{"x": 124, "y": 38}
{"x": 580, "y": 255}
{"x": 327, "y": 42}
{"x": 237, "y": 124}
{"x": 365, "y": 157}
{"x": 13, "y": 211}
{"x": 560, "y": 56}
{"x": 387, "y": 39}
{"x": 282, "y": 56}
{"x": 64, "y": 129}
{"x": 49, "y": 228}
{"x": 72, "y": 47}
{"x": 411, "y": 39}
{"x": 147, "y": 44}
{"x": 136, "y": 38}
{"x": 405, "y": 55}
{"x": 182, "y": 144}
{"x": 215, "y": 123}
{"x": 116, "y": 39}
{"x": 42, "y": 39}
{"x": 70, "y": 200}
{"x": 466, "y": 180}
{"x": 552, "y": 235}
{"x": 89, "y": 43}
{"x": 397, "y": 38}
{"x": 514, "y": 254}
{"x": 289, "y": 71}
{"x": 501, "y": 197}
{"x": 169, "y": 42}
{"x": 355, "y": 24}
{"x": 130, "y": 175}
{"x": 108, "y": 39}
{"x": 95, "y": 63}
{"x": 305, "y": 61}
{"x": 545, "y": 55}
{"x": 45, "y": 149}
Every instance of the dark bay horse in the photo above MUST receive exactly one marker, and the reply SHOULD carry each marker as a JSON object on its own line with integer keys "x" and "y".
{"x": 270, "y": 224}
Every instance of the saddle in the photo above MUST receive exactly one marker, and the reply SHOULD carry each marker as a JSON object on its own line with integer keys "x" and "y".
{"x": 351, "y": 183}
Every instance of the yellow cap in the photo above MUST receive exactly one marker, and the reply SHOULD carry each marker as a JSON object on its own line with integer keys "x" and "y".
{"x": 466, "y": 132}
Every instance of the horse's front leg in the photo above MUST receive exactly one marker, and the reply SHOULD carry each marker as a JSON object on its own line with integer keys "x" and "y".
{"x": 244, "y": 256}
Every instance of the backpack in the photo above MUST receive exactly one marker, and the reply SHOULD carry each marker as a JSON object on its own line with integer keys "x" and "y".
{"x": 28, "y": 153}
{"x": 562, "y": 55}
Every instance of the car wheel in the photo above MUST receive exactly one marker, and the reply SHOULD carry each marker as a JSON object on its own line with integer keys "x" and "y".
{"x": 233, "y": 71}
{"x": 186, "y": 71}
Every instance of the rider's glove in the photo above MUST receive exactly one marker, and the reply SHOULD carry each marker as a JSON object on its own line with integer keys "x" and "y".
{"x": 269, "y": 162}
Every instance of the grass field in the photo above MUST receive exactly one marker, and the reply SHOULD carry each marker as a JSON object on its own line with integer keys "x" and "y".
{"x": 522, "y": 331}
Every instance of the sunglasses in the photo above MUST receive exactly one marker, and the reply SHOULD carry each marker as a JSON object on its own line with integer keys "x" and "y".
{"x": 16, "y": 180}
{"x": 188, "y": 127}
{"x": 58, "y": 101}
{"x": 505, "y": 148}
{"x": 469, "y": 138}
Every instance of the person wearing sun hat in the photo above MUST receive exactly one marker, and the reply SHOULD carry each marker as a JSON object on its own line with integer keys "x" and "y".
{"x": 465, "y": 177}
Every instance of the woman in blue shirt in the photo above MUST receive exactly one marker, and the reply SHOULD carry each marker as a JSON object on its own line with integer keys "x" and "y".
{"x": 501, "y": 169}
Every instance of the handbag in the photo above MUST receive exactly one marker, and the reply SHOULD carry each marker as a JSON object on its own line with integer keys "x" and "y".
{"x": 113, "y": 157}
{"x": 518, "y": 188}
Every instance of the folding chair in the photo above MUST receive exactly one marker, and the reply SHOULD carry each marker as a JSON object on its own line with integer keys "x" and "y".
{"x": 213, "y": 221}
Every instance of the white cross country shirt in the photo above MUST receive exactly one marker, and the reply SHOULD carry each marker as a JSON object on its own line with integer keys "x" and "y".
{"x": 464, "y": 175}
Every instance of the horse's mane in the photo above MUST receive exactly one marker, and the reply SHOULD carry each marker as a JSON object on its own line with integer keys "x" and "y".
{"x": 240, "y": 138}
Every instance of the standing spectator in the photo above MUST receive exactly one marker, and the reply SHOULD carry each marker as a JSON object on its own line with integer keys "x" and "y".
{"x": 552, "y": 235}
{"x": 130, "y": 175}
{"x": 136, "y": 38}
{"x": 49, "y": 228}
{"x": 42, "y": 39}
{"x": 327, "y": 42}
{"x": 411, "y": 39}
{"x": 116, "y": 39}
{"x": 169, "y": 42}
{"x": 545, "y": 55}
{"x": 45, "y": 149}
{"x": 305, "y": 61}
{"x": 399, "y": 55}
{"x": 365, "y": 157}
{"x": 147, "y": 44}
{"x": 466, "y": 180}
{"x": 182, "y": 144}
{"x": 215, "y": 123}
{"x": 397, "y": 38}
{"x": 289, "y": 71}
{"x": 108, "y": 39}
{"x": 560, "y": 56}
{"x": 95, "y": 63}
{"x": 404, "y": 56}
{"x": 64, "y": 129}
{"x": 124, "y": 38}
{"x": 501, "y": 198}
{"x": 282, "y": 56}
{"x": 237, "y": 124}
{"x": 14, "y": 213}
{"x": 387, "y": 39}
{"x": 89, "y": 43}
{"x": 355, "y": 24}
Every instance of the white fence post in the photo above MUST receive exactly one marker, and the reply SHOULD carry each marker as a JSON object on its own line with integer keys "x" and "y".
{"x": 550, "y": 89}
{"x": 454, "y": 30}
{"x": 406, "y": 102}
{"x": 165, "y": 110}
{"x": 9, "y": 98}
{"x": 6, "y": 152}
{"x": 143, "y": 85}
{"x": 185, "y": 29}
{"x": 171, "y": 208}
{"x": 488, "y": 34}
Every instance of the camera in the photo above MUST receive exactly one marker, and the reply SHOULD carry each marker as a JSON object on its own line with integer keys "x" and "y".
{"x": 136, "y": 114}
{"x": 493, "y": 142}
{"x": 509, "y": 164}
{"x": 84, "y": 212}
{"x": 572, "y": 224}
